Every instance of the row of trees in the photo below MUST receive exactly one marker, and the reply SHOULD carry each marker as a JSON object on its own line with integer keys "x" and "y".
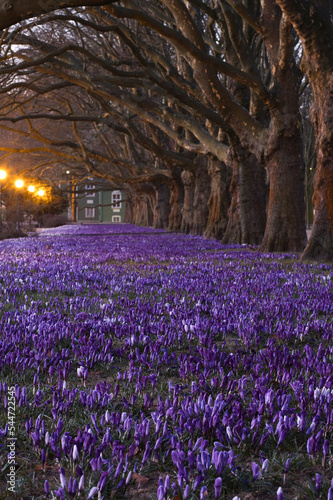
{"x": 199, "y": 107}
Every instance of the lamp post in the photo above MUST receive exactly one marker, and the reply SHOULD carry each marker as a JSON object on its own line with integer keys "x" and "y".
{"x": 72, "y": 200}
{"x": 31, "y": 190}
{"x": 40, "y": 193}
{"x": 19, "y": 184}
{"x": 3, "y": 175}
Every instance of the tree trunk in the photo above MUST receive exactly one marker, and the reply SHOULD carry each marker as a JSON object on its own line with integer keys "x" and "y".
{"x": 188, "y": 179}
{"x": 313, "y": 22}
{"x": 320, "y": 244}
{"x": 285, "y": 228}
{"x": 196, "y": 196}
{"x": 161, "y": 207}
{"x": 128, "y": 210}
{"x": 143, "y": 207}
{"x": 219, "y": 200}
{"x": 247, "y": 211}
{"x": 176, "y": 205}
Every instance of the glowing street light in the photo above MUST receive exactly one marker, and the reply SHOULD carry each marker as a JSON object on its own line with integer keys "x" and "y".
{"x": 41, "y": 192}
{"x": 19, "y": 183}
{"x": 31, "y": 189}
{"x": 3, "y": 174}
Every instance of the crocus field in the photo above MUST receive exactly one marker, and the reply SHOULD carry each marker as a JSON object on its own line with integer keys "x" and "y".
{"x": 153, "y": 365}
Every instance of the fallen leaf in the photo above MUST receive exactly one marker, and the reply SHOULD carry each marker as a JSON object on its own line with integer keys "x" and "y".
{"x": 140, "y": 479}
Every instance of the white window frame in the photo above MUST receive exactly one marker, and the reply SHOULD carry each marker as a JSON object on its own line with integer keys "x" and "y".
{"x": 89, "y": 188}
{"x": 89, "y": 212}
{"x": 116, "y": 197}
{"x": 116, "y": 218}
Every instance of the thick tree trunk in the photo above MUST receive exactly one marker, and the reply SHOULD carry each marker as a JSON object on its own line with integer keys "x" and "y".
{"x": 143, "y": 205}
{"x": 313, "y": 22}
{"x": 176, "y": 205}
{"x": 320, "y": 244}
{"x": 161, "y": 207}
{"x": 196, "y": 196}
{"x": 219, "y": 200}
{"x": 201, "y": 197}
{"x": 128, "y": 219}
{"x": 285, "y": 228}
{"x": 188, "y": 179}
{"x": 247, "y": 211}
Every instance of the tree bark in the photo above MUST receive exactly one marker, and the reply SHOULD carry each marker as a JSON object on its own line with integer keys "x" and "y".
{"x": 128, "y": 219}
{"x": 313, "y": 22}
{"x": 196, "y": 196}
{"x": 201, "y": 197}
{"x": 219, "y": 200}
{"x": 285, "y": 228}
{"x": 320, "y": 244}
{"x": 247, "y": 214}
{"x": 188, "y": 179}
{"x": 161, "y": 207}
{"x": 176, "y": 204}
{"x": 143, "y": 204}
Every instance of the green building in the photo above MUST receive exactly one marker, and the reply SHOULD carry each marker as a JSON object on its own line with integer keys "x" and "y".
{"x": 95, "y": 202}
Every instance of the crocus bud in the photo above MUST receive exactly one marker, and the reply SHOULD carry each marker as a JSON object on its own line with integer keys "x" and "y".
{"x": 75, "y": 453}
{"x": 81, "y": 483}
{"x": 62, "y": 480}
{"x": 279, "y": 494}
{"x": 92, "y": 492}
{"x": 128, "y": 478}
{"x": 255, "y": 471}
{"x": 47, "y": 488}
{"x": 218, "y": 487}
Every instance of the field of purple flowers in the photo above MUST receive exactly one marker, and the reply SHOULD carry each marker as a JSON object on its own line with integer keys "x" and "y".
{"x": 147, "y": 365}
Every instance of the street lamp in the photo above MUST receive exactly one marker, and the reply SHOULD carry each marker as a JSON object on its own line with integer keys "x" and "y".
{"x": 19, "y": 184}
{"x": 3, "y": 175}
{"x": 31, "y": 189}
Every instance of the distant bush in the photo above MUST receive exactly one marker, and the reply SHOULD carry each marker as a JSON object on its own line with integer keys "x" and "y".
{"x": 54, "y": 220}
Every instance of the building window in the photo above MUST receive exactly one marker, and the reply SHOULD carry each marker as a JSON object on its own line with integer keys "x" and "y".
{"x": 116, "y": 218}
{"x": 89, "y": 213}
{"x": 116, "y": 197}
{"x": 90, "y": 190}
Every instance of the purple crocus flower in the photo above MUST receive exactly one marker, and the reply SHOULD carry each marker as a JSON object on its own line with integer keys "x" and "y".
{"x": 62, "y": 480}
{"x": 318, "y": 483}
{"x": 92, "y": 492}
{"x": 310, "y": 445}
{"x": 203, "y": 493}
{"x": 255, "y": 471}
{"x": 81, "y": 483}
{"x": 218, "y": 487}
{"x": 264, "y": 466}
{"x": 75, "y": 453}
{"x": 160, "y": 493}
{"x": 279, "y": 494}
{"x": 47, "y": 487}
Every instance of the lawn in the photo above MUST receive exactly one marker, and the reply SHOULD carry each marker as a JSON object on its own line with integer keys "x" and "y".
{"x": 149, "y": 365}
